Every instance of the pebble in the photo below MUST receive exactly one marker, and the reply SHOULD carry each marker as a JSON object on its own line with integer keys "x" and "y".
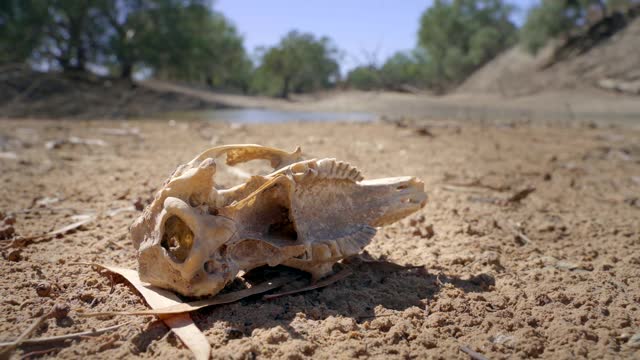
{"x": 43, "y": 289}
{"x": 14, "y": 256}
{"x": 60, "y": 310}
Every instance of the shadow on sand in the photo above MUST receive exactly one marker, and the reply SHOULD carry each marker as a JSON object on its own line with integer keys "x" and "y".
{"x": 375, "y": 286}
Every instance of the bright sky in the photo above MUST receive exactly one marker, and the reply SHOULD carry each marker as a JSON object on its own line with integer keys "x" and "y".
{"x": 362, "y": 29}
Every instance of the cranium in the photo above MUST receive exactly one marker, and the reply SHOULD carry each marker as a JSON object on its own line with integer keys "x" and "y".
{"x": 194, "y": 238}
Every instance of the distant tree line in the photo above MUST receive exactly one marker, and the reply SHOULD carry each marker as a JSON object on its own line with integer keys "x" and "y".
{"x": 176, "y": 39}
{"x": 456, "y": 37}
{"x": 187, "y": 40}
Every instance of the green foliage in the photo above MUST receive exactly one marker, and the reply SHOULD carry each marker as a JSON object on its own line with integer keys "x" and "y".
{"x": 556, "y": 18}
{"x": 549, "y": 19}
{"x": 461, "y": 35}
{"x": 299, "y": 63}
{"x": 364, "y": 78}
{"x": 401, "y": 69}
{"x": 20, "y": 29}
{"x": 176, "y": 39}
{"x": 405, "y": 68}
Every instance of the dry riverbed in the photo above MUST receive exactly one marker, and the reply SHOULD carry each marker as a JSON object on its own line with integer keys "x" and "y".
{"x": 528, "y": 246}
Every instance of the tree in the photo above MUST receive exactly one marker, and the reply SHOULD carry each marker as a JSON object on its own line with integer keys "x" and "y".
{"x": 20, "y": 29}
{"x": 176, "y": 39}
{"x": 406, "y": 68}
{"x": 364, "y": 78}
{"x": 301, "y": 63}
{"x": 73, "y": 34}
{"x": 461, "y": 35}
{"x": 559, "y": 18}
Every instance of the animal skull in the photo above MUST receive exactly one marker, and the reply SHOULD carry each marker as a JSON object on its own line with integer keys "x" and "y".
{"x": 308, "y": 214}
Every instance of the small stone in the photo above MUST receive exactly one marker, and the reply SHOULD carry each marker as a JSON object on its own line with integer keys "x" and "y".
{"x": 60, "y": 310}
{"x": 14, "y": 256}
{"x": 6, "y": 232}
{"x": 10, "y": 220}
{"x": 138, "y": 204}
{"x": 429, "y": 232}
{"x": 87, "y": 297}
{"x": 43, "y": 289}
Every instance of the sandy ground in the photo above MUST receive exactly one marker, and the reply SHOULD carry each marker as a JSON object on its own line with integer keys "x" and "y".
{"x": 555, "y": 274}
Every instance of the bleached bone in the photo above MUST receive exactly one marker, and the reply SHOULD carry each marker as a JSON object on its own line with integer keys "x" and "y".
{"x": 307, "y": 214}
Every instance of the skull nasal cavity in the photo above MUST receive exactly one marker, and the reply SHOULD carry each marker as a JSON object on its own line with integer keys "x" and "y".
{"x": 177, "y": 238}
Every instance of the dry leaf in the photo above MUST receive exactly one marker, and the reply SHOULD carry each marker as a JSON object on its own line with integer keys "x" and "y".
{"x": 199, "y": 304}
{"x": 181, "y": 324}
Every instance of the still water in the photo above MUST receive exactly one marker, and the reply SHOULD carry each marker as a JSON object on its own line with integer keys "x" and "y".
{"x": 253, "y": 116}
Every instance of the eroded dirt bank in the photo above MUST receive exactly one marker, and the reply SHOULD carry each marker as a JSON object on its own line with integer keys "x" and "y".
{"x": 553, "y": 274}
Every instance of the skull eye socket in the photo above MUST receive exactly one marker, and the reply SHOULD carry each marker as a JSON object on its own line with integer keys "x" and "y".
{"x": 177, "y": 238}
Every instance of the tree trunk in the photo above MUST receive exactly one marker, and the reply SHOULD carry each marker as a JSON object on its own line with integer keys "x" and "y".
{"x": 126, "y": 70}
{"x": 285, "y": 88}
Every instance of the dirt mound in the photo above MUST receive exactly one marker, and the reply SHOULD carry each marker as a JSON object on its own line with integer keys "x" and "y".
{"x": 610, "y": 64}
{"x": 28, "y": 93}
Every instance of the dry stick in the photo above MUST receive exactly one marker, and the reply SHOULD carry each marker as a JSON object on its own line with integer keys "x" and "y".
{"x": 458, "y": 188}
{"x": 473, "y": 354}
{"x": 68, "y": 336}
{"x": 22, "y": 338}
{"x": 62, "y": 230}
{"x": 521, "y": 195}
{"x": 39, "y": 352}
{"x": 478, "y": 184}
{"x": 66, "y": 229}
{"x": 320, "y": 284}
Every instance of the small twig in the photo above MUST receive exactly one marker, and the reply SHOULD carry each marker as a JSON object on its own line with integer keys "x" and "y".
{"x": 473, "y": 354}
{"x": 39, "y": 352}
{"x": 521, "y": 195}
{"x": 456, "y": 188}
{"x": 66, "y": 337}
{"x": 320, "y": 284}
{"x": 43, "y": 237}
{"x": 51, "y": 209}
{"x": 23, "y": 337}
{"x": 478, "y": 184}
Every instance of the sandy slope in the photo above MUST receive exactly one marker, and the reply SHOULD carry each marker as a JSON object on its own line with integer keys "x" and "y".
{"x": 556, "y": 275}
{"x": 517, "y": 73}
